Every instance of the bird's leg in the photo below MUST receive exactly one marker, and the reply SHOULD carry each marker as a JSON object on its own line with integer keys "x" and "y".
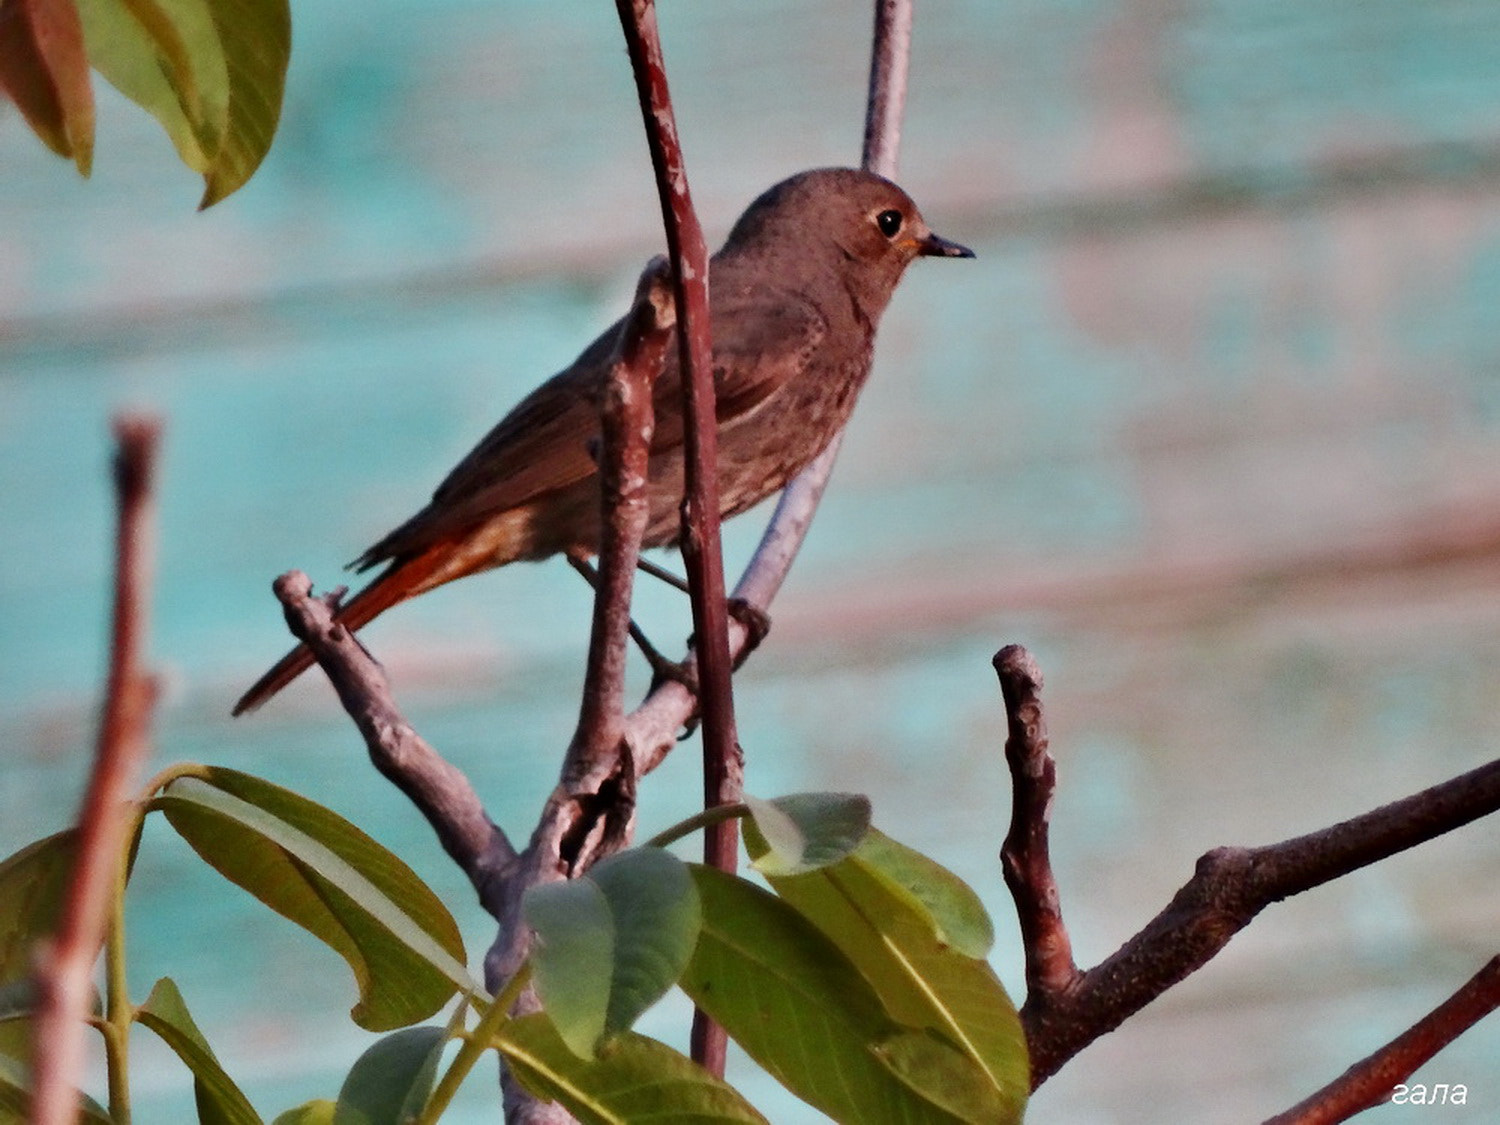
{"x": 662, "y": 573}
{"x": 757, "y": 622}
{"x": 661, "y": 667}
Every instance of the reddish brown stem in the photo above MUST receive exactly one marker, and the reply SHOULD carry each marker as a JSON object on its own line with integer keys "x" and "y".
{"x": 700, "y": 540}
{"x": 1025, "y": 857}
{"x": 65, "y": 965}
{"x": 1228, "y": 889}
{"x": 1371, "y": 1081}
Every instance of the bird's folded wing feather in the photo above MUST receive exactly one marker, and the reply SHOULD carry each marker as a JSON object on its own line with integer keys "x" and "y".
{"x": 549, "y": 440}
{"x": 762, "y": 340}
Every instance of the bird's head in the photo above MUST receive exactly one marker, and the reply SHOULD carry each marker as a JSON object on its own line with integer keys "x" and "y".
{"x": 855, "y": 224}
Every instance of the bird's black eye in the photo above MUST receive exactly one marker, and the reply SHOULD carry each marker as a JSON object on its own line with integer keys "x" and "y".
{"x": 889, "y": 222}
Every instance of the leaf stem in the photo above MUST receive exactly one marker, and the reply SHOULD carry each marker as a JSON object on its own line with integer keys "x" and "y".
{"x": 704, "y": 819}
{"x": 475, "y": 1043}
{"x": 119, "y": 1013}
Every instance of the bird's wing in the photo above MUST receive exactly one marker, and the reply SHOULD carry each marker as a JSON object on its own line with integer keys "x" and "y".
{"x": 762, "y": 340}
{"x": 545, "y": 443}
{"x": 549, "y": 440}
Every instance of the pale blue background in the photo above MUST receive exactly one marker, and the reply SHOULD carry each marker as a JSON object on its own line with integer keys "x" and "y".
{"x": 1233, "y": 314}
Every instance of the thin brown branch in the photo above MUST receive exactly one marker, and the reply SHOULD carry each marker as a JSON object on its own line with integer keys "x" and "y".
{"x": 652, "y": 727}
{"x": 1025, "y": 857}
{"x": 701, "y": 549}
{"x": 1371, "y": 1081}
{"x": 440, "y": 791}
{"x": 626, "y": 425}
{"x": 700, "y": 540}
{"x": 1229, "y": 888}
{"x": 65, "y": 964}
{"x": 591, "y": 812}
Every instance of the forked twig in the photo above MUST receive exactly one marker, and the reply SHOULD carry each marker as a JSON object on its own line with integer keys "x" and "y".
{"x": 626, "y": 425}
{"x": 1066, "y": 1010}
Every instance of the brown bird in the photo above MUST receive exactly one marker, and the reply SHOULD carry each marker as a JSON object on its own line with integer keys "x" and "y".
{"x": 795, "y": 296}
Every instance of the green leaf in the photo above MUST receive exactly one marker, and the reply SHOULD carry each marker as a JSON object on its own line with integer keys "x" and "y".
{"x": 923, "y": 982}
{"x": 316, "y": 1112}
{"x": 257, "y": 39}
{"x": 15, "y": 1096}
{"x": 17, "y": 999}
{"x": 804, "y": 831}
{"x": 166, "y": 56}
{"x": 956, "y": 911}
{"x": 654, "y": 905}
{"x": 220, "y": 1101}
{"x": 391, "y": 1081}
{"x": 634, "y": 1079}
{"x": 33, "y": 883}
{"x": 796, "y": 1004}
{"x": 935, "y": 1069}
{"x": 610, "y": 943}
{"x": 314, "y": 867}
{"x": 573, "y": 957}
{"x": 45, "y": 70}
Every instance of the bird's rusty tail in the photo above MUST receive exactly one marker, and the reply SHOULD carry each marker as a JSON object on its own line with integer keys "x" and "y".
{"x": 403, "y": 580}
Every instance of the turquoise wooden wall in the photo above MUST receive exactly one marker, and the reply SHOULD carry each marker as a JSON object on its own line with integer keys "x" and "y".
{"x": 1227, "y": 368}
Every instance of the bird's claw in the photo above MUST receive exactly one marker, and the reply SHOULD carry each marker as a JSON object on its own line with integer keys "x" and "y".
{"x": 757, "y": 623}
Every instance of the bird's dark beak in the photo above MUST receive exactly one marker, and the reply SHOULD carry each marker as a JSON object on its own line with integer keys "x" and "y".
{"x": 934, "y": 247}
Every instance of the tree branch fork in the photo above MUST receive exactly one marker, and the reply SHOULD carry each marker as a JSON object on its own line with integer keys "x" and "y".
{"x": 591, "y": 811}
{"x": 1067, "y": 1008}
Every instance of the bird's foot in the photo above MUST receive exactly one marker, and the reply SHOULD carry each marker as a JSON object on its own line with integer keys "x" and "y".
{"x": 662, "y": 669}
{"x": 757, "y": 623}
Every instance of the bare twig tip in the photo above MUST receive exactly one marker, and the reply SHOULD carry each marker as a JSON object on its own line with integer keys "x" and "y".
{"x": 137, "y": 437}
{"x": 655, "y": 289}
{"x": 1014, "y": 664}
{"x": 292, "y": 586}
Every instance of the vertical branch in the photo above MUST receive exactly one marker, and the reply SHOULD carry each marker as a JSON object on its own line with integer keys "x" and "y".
{"x": 65, "y": 964}
{"x": 626, "y": 423}
{"x": 722, "y": 768}
{"x": 1025, "y": 856}
{"x": 890, "y": 57}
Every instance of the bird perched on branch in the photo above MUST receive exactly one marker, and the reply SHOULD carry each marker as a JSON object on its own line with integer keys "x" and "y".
{"x": 794, "y": 299}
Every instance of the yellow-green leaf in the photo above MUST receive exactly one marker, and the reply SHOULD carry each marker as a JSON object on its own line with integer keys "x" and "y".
{"x": 257, "y": 39}
{"x": 313, "y": 866}
{"x": 798, "y": 1006}
{"x": 15, "y": 1097}
{"x": 219, "y": 1099}
{"x": 166, "y": 56}
{"x": 33, "y": 882}
{"x": 803, "y": 831}
{"x": 391, "y": 1081}
{"x": 873, "y": 907}
{"x": 634, "y": 1079}
{"x": 610, "y": 943}
{"x": 319, "y": 1111}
